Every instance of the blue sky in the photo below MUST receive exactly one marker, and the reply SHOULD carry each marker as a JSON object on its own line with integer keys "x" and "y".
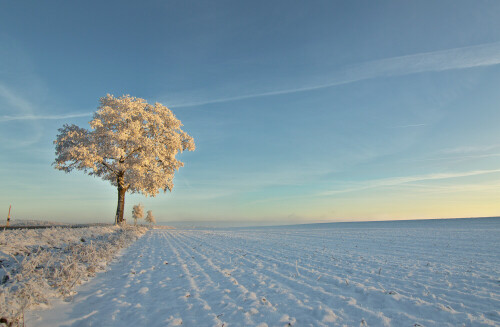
{"x": 302, "y": 111}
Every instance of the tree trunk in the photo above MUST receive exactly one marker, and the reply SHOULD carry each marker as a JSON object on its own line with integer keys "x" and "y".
{"x": 121, "y": 199}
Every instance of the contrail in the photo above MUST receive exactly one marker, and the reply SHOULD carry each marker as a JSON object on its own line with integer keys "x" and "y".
{"x": 43, "y": 117}
{"x": 408, "y": 179}
{"x": 437, "y": 61}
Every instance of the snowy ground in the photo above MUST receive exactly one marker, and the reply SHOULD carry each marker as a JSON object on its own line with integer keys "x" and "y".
{"x": 419, "y": 275}
{"x": 43, "y": 263}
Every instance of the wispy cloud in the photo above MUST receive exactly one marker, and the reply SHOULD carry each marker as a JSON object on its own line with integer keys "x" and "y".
{"x": 451, "y": 59}
{"x": 463, "y": 153}
{"x": 456, "y": 158}
{"x": 15, "y": 100}
{"x": 487, "y": 186}
{"x": 411, "y": 125}
{"x": 25, "y": 107}
{"x": 470, "y": 149}
{"x": 43, "y": 117}
{"x": 411, "y": 181}
{"x": 406, "y": 180}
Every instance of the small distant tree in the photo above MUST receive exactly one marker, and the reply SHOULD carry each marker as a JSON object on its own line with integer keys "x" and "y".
{"x": 137, "y": 212}
{"x": 150, "y": 219}
{"x": 131, "y": 144}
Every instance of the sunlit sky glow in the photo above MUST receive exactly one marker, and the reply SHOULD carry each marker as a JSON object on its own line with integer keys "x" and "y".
{"x": 302, "y": 111}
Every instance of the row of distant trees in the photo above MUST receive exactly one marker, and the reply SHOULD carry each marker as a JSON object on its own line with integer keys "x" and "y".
{"x": 138, "y": 213}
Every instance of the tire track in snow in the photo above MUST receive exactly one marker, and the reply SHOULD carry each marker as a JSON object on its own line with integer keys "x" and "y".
{"x": 203, "y": 309}
{"x": 145, "y": 297}
{"x": 262, "y": 310}
{"x": 316, "y": 301}
{"x": 307, "y": 283}
{"x": 382, "y": 298}
{"x": 407, "y": 290}
{"x": 223, "y": 308}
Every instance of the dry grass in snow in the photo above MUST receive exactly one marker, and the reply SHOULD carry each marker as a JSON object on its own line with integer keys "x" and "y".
{"x": 38, "y": 264}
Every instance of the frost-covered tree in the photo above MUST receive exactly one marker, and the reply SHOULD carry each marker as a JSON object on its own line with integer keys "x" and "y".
{"x": 150, "y": 219}
{"x": 130, "y": 143}
{"x": 137, "y": 212}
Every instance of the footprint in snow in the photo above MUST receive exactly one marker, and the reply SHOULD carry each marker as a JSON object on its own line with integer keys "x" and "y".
{"x": 174, "y": 321}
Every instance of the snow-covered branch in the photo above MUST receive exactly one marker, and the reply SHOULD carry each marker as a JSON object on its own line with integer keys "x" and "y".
{"x": 131, "y": 144}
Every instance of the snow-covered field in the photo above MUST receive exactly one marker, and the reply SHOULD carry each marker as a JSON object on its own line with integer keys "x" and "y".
{"x": 40, "y": 264}
{"x": 419, "y": 274}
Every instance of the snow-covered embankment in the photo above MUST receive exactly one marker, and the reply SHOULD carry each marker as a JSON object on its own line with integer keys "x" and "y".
{"x": 39, "y": 264}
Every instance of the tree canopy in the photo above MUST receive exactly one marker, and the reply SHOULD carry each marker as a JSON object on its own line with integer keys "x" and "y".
{"x": 130, "y": 143}
{"x": 150, "y": 218}
{"x": 137, "y": 212}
